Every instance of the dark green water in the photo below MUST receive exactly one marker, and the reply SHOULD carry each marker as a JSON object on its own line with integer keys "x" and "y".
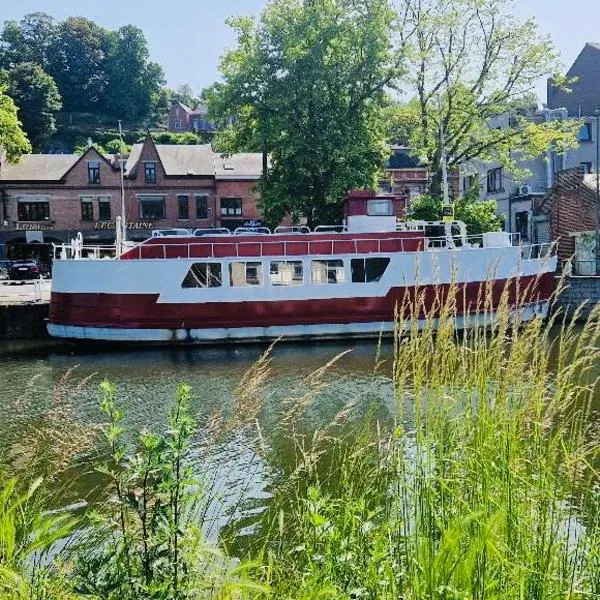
{"x": 146, "y": 380}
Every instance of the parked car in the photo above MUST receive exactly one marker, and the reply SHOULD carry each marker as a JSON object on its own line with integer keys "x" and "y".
{"x": 23, "y": 269}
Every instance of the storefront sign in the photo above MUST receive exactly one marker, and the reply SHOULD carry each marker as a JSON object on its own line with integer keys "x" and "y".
{"x": 33, "y": 226}
{"x": 102, "y": 225}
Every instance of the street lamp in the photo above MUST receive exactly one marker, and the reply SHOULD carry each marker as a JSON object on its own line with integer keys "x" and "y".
{"x": 597, "y": 113}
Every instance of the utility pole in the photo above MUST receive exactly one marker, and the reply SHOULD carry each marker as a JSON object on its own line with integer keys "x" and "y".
{"x": 123, "y": 215}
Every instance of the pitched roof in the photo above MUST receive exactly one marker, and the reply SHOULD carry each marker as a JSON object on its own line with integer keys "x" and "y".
{"x": 184, "y": 106}
{"x": 176, "y": 159}
{"x": 39, "y": 167}
{"x": 246, "y": 165}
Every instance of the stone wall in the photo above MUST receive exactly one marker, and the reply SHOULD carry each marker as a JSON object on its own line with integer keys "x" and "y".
{"x": 577, "y": 291}
{"x": 23, "y": 321}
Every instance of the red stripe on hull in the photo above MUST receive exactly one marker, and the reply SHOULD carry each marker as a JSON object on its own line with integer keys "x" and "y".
{"x": 143, "y": 310}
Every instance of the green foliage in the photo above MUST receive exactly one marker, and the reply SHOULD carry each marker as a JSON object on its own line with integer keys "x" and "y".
{"x": 27, "y": 41}
{"x": 38, "y": 101}
{"x": 469, "y": 62}
{"x": 306, "y": 83}
{"x": 146, "y": 541}
{"x": 76, "y": 57}
{"x": 132, "y": 82}
{"x": 190, "y": 138}
{"x": 484, "y": 487}
{"x": 27, "y": 536}
{"x": 12, "y": 139}
{"x": 478, "y": 215}
{"x": 95, "y": 69}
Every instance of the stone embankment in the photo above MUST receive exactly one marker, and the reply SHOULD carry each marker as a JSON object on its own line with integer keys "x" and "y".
{"x": 23, "y": 310}
{"x": 579, "y": 290}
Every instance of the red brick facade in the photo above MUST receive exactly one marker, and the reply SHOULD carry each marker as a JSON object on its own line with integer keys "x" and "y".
{"x": 571, "y": 208}
{"x": 68, "y": 202}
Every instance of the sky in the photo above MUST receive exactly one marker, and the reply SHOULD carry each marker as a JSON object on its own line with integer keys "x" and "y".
{"x": 187, "y": 37}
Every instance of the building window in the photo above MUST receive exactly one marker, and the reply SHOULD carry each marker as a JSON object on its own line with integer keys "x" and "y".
{"x": 195, "y": 124}
{"x": 468, "y": 182}
{"x": 242, "y": 274}
{"x": 152, "y": 209}
{"x": 286, "y": 272}
{"x": 93, "y": 171}
{"x": 104, "y": 208}
{"x": 231, "y": 206}
{"x": 201, "y": 207}
{"x": 177, "y": 124}
{"x": 585, "y": 133}
{"x": 87, "y": 208}
{"x": 494, "y": 180}
{"x": 368, "y": 270}
{"x": 587, "y": 167}
{"x": 203, "y": 275}
{"x": 34, "y": 211}
{"x": 380, "y": 208}
{"x": 183, "y": 207}
{"x": 327, "y": 271}
{"x": 150, "y": 172}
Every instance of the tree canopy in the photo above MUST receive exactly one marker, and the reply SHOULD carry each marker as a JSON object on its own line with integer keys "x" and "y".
{"x": 38, "y": 99}
{"x": 470, "y": 62}
{"x": 95, "y": 70}
{"x": 306, "y": 83}
{"x": 13, "y": 140}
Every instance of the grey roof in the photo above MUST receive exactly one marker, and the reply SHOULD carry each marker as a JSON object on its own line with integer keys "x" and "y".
{"x": 38, "y": 167}
{"x": 246, "y": 165}
{"x": 177, "y": 160}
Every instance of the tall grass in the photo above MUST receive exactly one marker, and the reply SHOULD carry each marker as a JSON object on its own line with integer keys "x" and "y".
{"x": 483, "y": 484}
{"x": 486, "y": 487}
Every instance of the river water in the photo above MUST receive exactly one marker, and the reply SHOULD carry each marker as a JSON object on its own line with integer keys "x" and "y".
{"x": 146, "y": 380}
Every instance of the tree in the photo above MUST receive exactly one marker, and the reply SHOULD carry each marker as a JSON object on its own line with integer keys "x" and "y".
{"x": 76, "y": 61}
{"x": 479, "y": 216}
{"x": 471, "y": 62}
{"x": 27, "y": 41}
{"x": 13, "y": 140}
{"x": 37, "y": 97}
{"x": 131, "y": 80}
{"x": 308, "y": 80}
{"x": 186, "y": 95}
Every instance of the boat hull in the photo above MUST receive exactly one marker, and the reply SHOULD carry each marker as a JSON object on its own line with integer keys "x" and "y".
{"x": 145, "y": 301}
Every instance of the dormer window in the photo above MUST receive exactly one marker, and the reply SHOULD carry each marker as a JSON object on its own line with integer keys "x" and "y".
{"x": 380, "y": 208}
{"x": 93, "y": 171}
{"x": 150, "y": 172}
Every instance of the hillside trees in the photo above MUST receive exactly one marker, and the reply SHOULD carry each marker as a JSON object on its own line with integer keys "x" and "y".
{"x": 95, "y": 70}
{"x": 39, "y": 101}
{"x": 307, "y": 82}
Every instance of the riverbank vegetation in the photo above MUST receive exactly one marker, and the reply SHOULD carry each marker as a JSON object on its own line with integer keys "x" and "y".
{"x": 481, "y": 483}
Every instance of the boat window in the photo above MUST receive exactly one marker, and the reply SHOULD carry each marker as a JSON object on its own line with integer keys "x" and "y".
{"x": 286, "y": 272}
{"x": 327, "y": 271}
{"x": 203, "y": 275}
{"x": 380, "y": 208}
{"x": 242, "y": 274}
{"x": 368, "y": 270}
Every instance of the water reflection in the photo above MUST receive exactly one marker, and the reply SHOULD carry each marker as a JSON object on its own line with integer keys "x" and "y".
{"x": 146, "y": 381}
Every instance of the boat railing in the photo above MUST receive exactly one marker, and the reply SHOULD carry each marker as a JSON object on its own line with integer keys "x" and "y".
{"x": 293, "y": 248}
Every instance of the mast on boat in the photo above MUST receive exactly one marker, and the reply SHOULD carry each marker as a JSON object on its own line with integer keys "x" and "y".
{"x": 123, "y": 224}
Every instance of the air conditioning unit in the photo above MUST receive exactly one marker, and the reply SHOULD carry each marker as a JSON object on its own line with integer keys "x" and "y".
{"x": 525, "y": 190}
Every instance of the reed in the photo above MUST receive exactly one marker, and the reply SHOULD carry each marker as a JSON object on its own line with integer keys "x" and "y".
{"x": 485, "y": 487}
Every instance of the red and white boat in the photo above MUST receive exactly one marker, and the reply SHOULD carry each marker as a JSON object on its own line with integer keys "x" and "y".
{"x": 292, "y": 283}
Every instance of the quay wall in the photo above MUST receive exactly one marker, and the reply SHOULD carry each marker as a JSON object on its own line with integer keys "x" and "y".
{"x": 23, "y": 321}
{"x": 579, "y": 289}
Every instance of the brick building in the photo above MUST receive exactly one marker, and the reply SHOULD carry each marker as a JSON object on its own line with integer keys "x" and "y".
{"x": 568, "y": 212}
{"x": 49, "y": 198}
{"x": 182, "y": 118}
